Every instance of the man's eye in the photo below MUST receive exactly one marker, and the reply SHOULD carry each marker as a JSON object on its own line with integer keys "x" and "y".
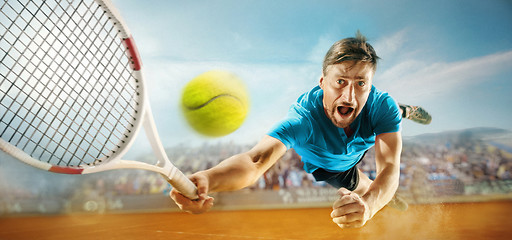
{"x": 361, "y": 84}
{"x": 340, "y": 81}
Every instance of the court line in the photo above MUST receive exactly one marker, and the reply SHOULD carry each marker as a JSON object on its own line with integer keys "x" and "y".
{"x": 225, "y": 236}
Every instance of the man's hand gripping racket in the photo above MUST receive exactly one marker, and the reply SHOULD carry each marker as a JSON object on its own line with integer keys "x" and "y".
{"x": 203, "y": 204}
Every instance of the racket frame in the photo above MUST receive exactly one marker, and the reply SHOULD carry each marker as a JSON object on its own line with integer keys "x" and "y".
{"x": 143, "y": 117}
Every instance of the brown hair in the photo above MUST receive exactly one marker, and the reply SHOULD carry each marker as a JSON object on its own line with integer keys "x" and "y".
{"x": 351, "y": 49}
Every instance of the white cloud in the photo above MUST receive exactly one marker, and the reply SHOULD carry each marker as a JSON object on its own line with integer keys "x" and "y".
{"x": 317, "y": 53}
{"x": 414, "y": 79}
{"x": 389, "y": 45}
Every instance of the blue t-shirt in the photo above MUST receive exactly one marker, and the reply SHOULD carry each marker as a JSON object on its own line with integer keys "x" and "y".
{"x": 321, "y": 144}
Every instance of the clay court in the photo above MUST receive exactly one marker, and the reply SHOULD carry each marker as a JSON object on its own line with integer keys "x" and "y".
{"x": 487, "y": 220}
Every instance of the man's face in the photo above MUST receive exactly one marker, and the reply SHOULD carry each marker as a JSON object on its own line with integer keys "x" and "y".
{"x": 346, "y": 88}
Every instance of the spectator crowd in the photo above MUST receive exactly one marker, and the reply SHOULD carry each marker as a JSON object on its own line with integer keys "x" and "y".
{"x": 449, "y": 167}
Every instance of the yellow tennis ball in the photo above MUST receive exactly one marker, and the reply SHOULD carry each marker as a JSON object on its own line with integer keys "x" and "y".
{"x": 215, "y": 103}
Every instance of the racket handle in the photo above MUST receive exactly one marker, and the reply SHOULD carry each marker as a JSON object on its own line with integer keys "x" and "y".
{"x": 181, "y": 182}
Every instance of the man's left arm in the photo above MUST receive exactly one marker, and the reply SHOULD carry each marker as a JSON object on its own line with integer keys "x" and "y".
{"x": 353, "y": 210}
{"x": 388, "y": 148}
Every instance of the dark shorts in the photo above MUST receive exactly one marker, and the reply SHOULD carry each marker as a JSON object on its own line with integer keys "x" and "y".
{"x": 348, "y": 179}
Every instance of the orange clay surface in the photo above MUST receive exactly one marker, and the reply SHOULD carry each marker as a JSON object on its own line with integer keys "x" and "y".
{"x": 488, "y": 220}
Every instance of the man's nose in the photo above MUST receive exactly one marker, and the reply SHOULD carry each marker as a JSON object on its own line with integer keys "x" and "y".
{"x": 348, "y": 93}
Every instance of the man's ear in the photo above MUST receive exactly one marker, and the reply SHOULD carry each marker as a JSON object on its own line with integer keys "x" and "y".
{"x": 321, "y": 82}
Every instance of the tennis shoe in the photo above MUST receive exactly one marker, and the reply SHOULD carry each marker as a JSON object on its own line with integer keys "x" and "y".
{"x": 416, "y": 114}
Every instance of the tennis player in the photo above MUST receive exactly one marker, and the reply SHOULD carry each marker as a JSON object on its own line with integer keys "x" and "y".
{"x": 332, "y": 127}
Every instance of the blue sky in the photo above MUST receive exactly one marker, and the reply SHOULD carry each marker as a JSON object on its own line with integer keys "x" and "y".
{"x": 452, "y": 57}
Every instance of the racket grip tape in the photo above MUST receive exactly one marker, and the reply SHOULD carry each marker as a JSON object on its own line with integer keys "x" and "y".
{"x": 183, "y": 185}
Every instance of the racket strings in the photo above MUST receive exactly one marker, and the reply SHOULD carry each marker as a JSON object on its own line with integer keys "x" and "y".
{"x": 23, "y": 54}
{"x": 29, "y": 95}
{"x": 69, "y": 97}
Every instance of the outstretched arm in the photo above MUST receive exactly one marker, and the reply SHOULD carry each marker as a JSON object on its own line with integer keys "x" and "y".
{"x": 388, "y": 147}
{"x": 234, "y": 173}
{"x": 353, "y": 209}
{"x": 244, "y": 169}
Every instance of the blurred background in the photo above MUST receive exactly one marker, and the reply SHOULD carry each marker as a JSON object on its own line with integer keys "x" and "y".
{"x": 454, "y": 58}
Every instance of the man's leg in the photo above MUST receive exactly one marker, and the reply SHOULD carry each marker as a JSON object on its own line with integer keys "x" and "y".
{"x": 415, "y": 113}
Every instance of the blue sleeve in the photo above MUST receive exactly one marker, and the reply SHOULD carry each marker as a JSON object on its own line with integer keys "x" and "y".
{"x": 291, "y": 130}
{"x": 387, "y": 116}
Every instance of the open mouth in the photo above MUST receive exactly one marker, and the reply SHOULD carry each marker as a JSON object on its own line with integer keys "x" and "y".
{"x": 345, "y": 111}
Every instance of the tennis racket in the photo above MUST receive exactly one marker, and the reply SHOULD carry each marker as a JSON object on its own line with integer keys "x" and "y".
{"x": 72, "y": 92}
